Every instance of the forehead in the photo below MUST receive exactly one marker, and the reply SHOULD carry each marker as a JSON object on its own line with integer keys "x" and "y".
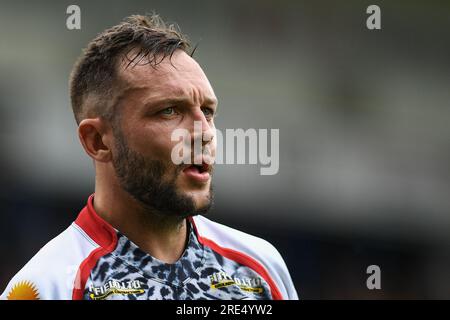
{"x": 179, "y": 76}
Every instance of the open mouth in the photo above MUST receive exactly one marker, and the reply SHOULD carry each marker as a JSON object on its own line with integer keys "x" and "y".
{"x": 200, "y": 168}
{"x": 198, "y": 172}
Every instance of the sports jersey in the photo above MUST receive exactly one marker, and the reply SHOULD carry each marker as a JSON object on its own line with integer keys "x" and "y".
{"x": 92, "y": 260}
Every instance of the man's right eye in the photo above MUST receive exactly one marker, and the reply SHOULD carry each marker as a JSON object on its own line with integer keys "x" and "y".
{"x": 168, "y": 111}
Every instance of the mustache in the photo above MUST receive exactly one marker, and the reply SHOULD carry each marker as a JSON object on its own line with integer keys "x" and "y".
{"x": 205, "y": 156}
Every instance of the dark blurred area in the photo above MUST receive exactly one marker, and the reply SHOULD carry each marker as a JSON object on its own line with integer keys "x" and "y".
{"x": 364, "y": 121}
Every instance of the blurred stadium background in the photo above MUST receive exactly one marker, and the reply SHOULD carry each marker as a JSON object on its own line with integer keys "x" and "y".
{"x": 364, "y": 121}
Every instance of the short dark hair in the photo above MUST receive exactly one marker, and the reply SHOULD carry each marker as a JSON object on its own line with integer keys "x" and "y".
{"x": 95, "y": 73}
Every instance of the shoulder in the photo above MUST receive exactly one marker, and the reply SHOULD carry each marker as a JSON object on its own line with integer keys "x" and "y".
{"x": 51, "y": 273}
{"x": 249, "y": 250}
{"x": 227, "y": 237}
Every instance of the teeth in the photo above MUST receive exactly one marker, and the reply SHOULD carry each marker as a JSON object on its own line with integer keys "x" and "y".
{"x": 201, "y": 168}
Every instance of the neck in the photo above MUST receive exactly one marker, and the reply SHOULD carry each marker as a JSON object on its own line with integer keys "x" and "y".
{"x": 163, "y": 237}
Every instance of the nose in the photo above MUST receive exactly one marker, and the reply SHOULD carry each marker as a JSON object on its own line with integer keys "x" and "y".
{"x": 202, "y": 128}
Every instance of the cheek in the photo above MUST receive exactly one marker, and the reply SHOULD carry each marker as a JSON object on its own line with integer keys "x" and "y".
{"x": 153, "y": 142}
{"x": 213, "y": 144}
{"x": 213, "y": 148}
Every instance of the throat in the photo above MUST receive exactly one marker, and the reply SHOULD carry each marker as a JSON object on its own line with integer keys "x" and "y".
{"x": 163, "y": 240}
{"x": 161, "y": 236}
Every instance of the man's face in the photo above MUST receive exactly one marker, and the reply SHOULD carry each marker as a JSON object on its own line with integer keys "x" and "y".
{"x": 153, "y": 103}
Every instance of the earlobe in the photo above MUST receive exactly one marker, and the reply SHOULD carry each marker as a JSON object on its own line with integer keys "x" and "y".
{"x": 94, "y": 139}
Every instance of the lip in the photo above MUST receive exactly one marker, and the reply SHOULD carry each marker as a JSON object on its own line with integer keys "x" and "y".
{"x": 193, "y": 173}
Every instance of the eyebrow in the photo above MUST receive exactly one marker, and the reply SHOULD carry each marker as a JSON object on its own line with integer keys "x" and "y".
{"x": 179, "y": 100}
{"x": 209, "y": 101}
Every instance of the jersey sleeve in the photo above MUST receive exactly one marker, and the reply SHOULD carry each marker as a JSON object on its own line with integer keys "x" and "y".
{"x": 51, "y": 273}
{"x": 280, "y": 268}
{"x": 257, "y": 253}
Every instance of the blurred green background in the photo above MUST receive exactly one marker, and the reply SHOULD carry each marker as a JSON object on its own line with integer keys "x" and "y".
{"x": 364, "y": 121}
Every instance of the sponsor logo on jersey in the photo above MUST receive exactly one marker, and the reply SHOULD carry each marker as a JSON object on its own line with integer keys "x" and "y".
{"x": 222, "y": 279}
{"x": 23, "y": 290}
{"x": 112, "y": 287}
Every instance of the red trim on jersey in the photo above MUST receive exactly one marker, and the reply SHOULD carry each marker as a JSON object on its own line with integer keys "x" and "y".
{"x": 103, "y": 234}
{"x": 241, "y": 258}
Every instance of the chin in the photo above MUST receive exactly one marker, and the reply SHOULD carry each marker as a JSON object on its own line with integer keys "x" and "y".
{"x": 201, "y": 199}
{"x": 200, "y": 194}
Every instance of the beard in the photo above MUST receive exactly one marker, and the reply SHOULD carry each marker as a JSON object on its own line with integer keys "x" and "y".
{"x": 143, "y": 179}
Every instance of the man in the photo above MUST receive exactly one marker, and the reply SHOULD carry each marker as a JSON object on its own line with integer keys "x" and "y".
{"x": 142, "y": 234}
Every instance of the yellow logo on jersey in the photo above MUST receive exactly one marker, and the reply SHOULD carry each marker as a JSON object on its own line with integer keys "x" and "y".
{"x": 23, "y": 290}
{"x": 222, "y": 279}
{"x": 112, "y": 287}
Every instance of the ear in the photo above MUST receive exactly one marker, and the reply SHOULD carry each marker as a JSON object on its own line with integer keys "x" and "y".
{"x": 96, "y": 139}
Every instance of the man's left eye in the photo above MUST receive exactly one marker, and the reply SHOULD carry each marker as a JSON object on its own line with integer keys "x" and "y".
{"x": 208, "y": 112}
